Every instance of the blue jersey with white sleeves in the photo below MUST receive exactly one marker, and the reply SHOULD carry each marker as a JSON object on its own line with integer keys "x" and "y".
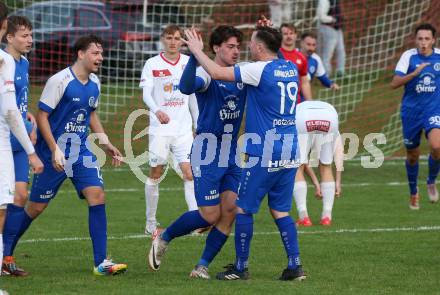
{"x": 315, "y": 67}
{"x": 220, "y": 103}
{"x": 270, "y": 112}
{"x": 422, "y": 93}
{"x": 69, "y": 104}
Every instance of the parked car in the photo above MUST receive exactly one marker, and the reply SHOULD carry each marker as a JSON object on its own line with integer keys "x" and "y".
{"x": 129, "y": 39}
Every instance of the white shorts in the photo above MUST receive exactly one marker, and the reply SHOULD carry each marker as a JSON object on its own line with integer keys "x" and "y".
{"x": 7, "y": 178}
{"x": 318, "y": 129}
{"x": 160, "y": 147}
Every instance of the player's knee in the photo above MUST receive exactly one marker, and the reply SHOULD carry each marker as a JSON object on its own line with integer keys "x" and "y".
{"x": 97, "y": 199}
{"x": 435, "y": 153}
{"x": 35, "y": 209}
{"x": 20, "y": 198}
{"x": 412, "y": 156}
{"x": 212, "y": 216}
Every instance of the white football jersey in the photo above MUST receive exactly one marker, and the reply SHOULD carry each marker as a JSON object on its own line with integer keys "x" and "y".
{"x": 7, "y": 73}
{"x": 163, "y": 77}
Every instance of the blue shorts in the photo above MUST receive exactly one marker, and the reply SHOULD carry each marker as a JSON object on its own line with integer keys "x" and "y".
{"x": 21, "y": 166}
{"x": 213, "y": 177}
{"x": 46, "y": 185}
{"x": 412, "y": 128}
{"x": 210, "y": 181}
{"x": 276, "y": 182}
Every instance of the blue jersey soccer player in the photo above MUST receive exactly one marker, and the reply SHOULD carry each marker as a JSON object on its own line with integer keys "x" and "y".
{"x": 67, "y": 109}
{"x": 221, "y": 106}
{"x": 19, "y": 42}
{"x": 315, "y": 66}
{"x": 270, "y": 144}
{"x": 418, "y": 70}
{"x": 10, "y": 121}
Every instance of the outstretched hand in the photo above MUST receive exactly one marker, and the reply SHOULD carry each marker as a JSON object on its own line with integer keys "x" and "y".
{"x": 193, "y": 40}
{"x": 264, "y": 22}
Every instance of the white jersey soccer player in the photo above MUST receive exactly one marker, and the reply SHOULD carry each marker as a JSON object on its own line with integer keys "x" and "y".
{"x": 10, "y": 121}
{"x": 318, "y": 132}
{"x": 171, "y": 125}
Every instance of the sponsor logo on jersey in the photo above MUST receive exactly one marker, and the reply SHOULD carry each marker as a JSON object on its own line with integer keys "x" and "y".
{"x": 437, "y": 66}
{"x": 76, "y": 99}
{"x": 77, "y": 123}
{"x": 23, "y": 107}
{"x": 283, "y": 122}
{"x": 174, "y": 102}
{"x": 229, "y": 109}
{"x": 426, "y": 84}
{"x": 161, "y": 73}
{"x": 170, "y": 87}
{"x": 318, "y": 125}
{"x": 9, "y": 83}
{"x": 277, "y": 165}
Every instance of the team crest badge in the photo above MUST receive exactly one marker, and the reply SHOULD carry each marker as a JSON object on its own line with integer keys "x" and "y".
{"x": 93, "y": 102}
{"x": 240, "y": 86}
{"x": 437, "y": 66}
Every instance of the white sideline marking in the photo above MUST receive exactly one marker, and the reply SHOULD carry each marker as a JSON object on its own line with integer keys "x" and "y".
{"x": 317, "y": 232}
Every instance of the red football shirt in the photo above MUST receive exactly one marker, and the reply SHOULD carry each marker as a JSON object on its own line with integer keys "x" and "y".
{"x": 300, "y": 61}
{"x": 297, "y": 58}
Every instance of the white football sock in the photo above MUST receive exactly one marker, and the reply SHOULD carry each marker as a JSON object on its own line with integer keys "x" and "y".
{"x": 151, "y": 199}
{"x": 189, "y": 195}
{"x": 300, "y": 195}
{"x": 328, "y": 197}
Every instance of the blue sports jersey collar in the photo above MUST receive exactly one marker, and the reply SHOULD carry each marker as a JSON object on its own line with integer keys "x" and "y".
{"x": 74, "y": 76}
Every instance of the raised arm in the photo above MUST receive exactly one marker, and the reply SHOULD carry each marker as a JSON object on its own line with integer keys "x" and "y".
{"x": 190, "y": 82}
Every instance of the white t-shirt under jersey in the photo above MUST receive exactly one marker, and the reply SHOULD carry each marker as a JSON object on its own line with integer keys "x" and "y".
{"x": 163, "y": 77}
{"x": 7, "y": 73}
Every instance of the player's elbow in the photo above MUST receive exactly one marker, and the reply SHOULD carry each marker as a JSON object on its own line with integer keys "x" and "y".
{"x": 395, "y": 83}
{"x": 216, "y": 75}
{"x": 184, "y": 89}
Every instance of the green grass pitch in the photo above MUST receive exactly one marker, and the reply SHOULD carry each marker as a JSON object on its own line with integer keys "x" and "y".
{"x": 376, "y": 245}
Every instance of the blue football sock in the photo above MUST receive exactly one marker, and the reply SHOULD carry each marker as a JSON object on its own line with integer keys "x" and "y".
{"x": 434, "y": 167}
{"x": 98, "y": 232}
{"x": 244, "y": 230}
{"x": 25, "y": 223}
{"x": 287, "y": 229}
{"x": 14, "y": 219}
{"x": 185, "y": 224}
{"x": 412, "y": 172}
{"x": 214, "y": 243}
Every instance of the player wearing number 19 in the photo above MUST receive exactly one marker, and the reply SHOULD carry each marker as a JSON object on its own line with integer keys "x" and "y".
{"x": 270, "y": 146}
{"x": 67, "y": 109}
